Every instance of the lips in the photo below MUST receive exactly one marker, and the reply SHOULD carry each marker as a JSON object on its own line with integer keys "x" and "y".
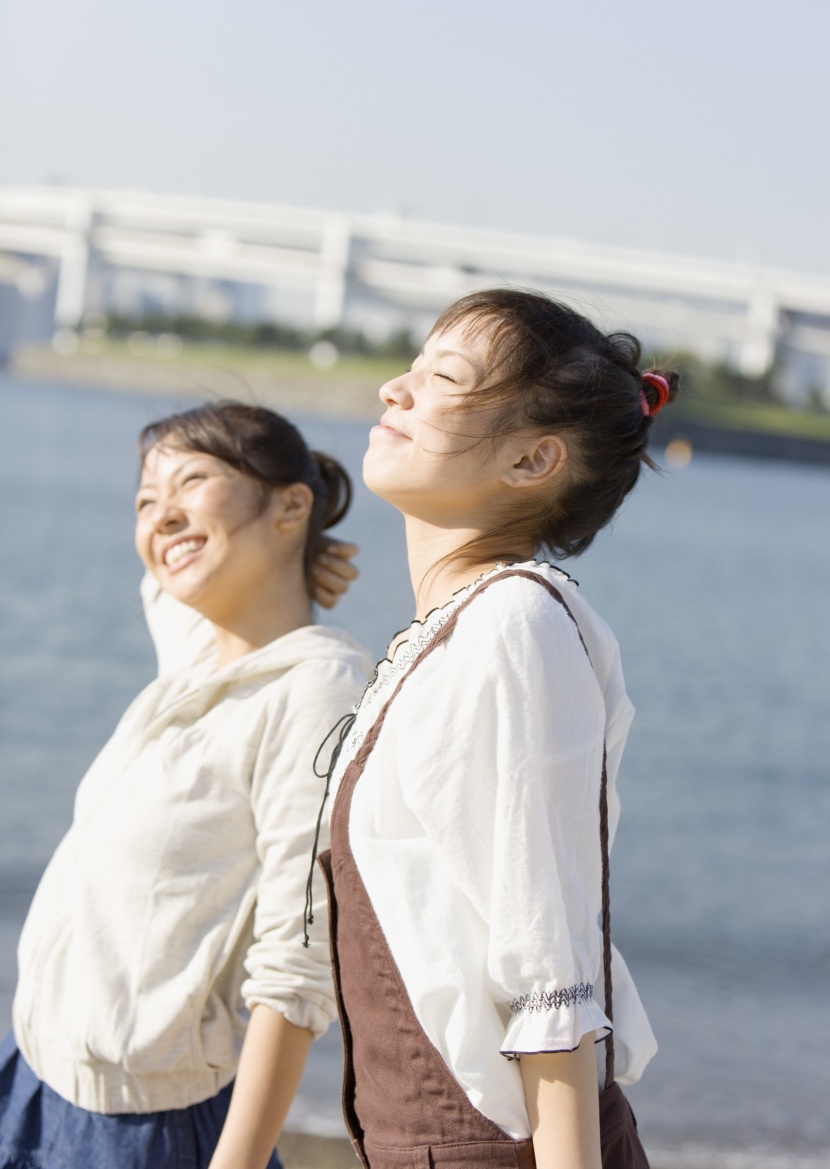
{"x": 387, "y": 425}
{"x": 175, "y": 554}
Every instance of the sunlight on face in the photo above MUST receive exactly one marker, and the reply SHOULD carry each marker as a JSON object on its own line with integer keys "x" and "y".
{"x": 430, "y": 454}
{"x": 197, "y": 524}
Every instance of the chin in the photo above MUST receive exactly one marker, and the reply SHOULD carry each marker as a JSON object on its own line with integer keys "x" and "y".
{"x": 190, "y": 595}
{"x": 376, "y": 476}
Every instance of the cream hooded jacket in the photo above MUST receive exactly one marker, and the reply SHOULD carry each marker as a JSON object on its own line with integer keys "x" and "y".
{"x": 175, "y": 901}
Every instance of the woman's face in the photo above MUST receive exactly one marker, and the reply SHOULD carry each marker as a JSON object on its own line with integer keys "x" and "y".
{"x": 429, "y": 456}
{"x": 202, "y": 529}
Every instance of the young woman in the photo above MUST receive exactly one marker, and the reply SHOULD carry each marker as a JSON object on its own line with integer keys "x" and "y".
{"x": 466, "y": 864}
{"x": 162, "y": 955}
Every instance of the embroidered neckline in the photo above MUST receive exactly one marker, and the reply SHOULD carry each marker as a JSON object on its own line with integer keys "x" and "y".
{"x": 427, "y": 626}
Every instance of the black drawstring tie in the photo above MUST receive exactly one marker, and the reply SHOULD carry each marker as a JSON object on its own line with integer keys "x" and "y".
{"x": 341, "y": 728}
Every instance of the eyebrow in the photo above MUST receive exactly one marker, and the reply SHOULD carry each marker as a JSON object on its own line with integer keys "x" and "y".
{"x": 456, "y": 353}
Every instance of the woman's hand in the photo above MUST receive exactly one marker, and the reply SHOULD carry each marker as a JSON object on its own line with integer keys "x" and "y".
{"x": 333, "y": 571}
{"x": 270, "y": 1067}
{"x": 562, "y": 1099}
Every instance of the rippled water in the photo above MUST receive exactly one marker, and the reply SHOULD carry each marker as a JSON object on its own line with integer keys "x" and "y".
{"x": 716, "y": 581}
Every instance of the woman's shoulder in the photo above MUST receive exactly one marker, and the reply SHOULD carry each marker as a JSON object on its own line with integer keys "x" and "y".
{"x": 526, "y": 607}
{"x": 316, "y": 663}
{"x": 321, "y": 648}
{"x": 287, "y": 695}
{"x": 531, "y": 596}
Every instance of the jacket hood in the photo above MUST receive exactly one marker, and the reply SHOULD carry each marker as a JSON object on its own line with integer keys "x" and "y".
{"x": 304, "y": 644}
{"x": 309, "y": 643}
{"x": 197, "y": 688}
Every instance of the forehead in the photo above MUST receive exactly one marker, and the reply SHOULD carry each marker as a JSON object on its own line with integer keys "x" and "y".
{"x": 468, "y": 338}
{"x": 162, "y": 461}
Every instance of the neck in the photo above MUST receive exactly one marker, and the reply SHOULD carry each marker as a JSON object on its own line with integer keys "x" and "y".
{"x": 428, "y": 546}
{"x": 280, "y": 611}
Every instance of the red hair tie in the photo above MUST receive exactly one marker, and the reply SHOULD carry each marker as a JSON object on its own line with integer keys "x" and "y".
{"x": 662, "y": 387}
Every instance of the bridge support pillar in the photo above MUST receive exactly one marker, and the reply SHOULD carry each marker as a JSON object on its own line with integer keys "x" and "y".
{"x": 757, "y": 350}
{"x": 74, "y": 265}
{"x": 334, "y": 267}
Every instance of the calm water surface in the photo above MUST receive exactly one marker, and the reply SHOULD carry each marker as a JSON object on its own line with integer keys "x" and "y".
{"x": 715, "y": 580}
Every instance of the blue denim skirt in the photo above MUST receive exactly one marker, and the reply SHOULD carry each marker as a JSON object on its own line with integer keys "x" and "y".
{"x": 41, "y": 1130}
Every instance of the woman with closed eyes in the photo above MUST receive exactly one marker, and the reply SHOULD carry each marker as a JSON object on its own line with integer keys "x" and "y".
{"x": 473, "y": 790}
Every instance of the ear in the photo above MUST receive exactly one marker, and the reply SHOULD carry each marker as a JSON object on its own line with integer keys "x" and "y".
{"x": 292, "y": 506}
{"x": 532, "y": 460}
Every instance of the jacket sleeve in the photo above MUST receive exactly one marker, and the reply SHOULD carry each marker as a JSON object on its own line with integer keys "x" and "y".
{"x": 181, "y": 636}
{"x": 516, "y": 735}
{"x": 286, "y": 797}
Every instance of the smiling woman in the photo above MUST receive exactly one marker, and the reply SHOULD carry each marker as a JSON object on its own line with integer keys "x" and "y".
{"x": 163, "y": 955}
{"x": 202, "y": 528}
{"x": 230, "y": 499}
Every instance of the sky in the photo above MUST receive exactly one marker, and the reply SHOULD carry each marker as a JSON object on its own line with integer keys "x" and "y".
{"x": 696, "y": 127}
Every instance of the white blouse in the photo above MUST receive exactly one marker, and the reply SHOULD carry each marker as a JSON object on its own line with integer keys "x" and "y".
{"x": 475, "y": 828}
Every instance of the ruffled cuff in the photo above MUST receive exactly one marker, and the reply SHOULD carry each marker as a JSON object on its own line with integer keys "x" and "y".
{"x": 554, "y": 1020}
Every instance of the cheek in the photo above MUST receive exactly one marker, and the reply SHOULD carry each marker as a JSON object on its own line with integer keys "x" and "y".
{"x": 231, "y": 507}
{"x": 452, "y": 431}
{"x": 142, "y": 540}
{"x": 218, "y": 507}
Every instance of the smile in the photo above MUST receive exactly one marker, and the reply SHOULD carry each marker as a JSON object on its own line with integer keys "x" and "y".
{"x": 176, "y": 554}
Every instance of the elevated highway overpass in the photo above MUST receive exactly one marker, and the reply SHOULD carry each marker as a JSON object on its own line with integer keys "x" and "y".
{"x": 67, "y": 254}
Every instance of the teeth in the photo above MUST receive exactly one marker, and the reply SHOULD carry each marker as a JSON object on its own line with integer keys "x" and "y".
{"x": 174, "y": 554}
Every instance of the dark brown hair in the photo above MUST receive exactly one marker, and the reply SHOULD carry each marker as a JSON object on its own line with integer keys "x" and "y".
{"x": 550, "y": 370}
{"x": 264, "y": 446}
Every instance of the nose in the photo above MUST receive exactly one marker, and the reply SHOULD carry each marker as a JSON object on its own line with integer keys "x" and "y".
{"x": 397, "y": 391}
{"x": 165, "y": 516}
{"x": 170, "y": 517}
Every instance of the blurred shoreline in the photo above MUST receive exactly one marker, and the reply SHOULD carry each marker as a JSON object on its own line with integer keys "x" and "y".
{"x": 285, "y": 381}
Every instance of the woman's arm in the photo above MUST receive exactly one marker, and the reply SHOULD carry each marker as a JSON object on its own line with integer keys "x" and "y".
{"x": 563, "y": 1106}
{"x": 270, "y": 1067}
{"x": 289, "y": 988}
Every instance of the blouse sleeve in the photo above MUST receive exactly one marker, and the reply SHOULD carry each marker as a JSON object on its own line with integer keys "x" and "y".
{"x": 513, "y": 726}
{"x": 286, "y": 798}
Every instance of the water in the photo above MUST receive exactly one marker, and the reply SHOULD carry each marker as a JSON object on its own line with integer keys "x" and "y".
{"x": 715, "y": 580}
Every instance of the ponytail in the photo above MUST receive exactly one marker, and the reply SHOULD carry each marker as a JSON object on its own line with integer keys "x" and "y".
{"x": 336, "y": 489}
